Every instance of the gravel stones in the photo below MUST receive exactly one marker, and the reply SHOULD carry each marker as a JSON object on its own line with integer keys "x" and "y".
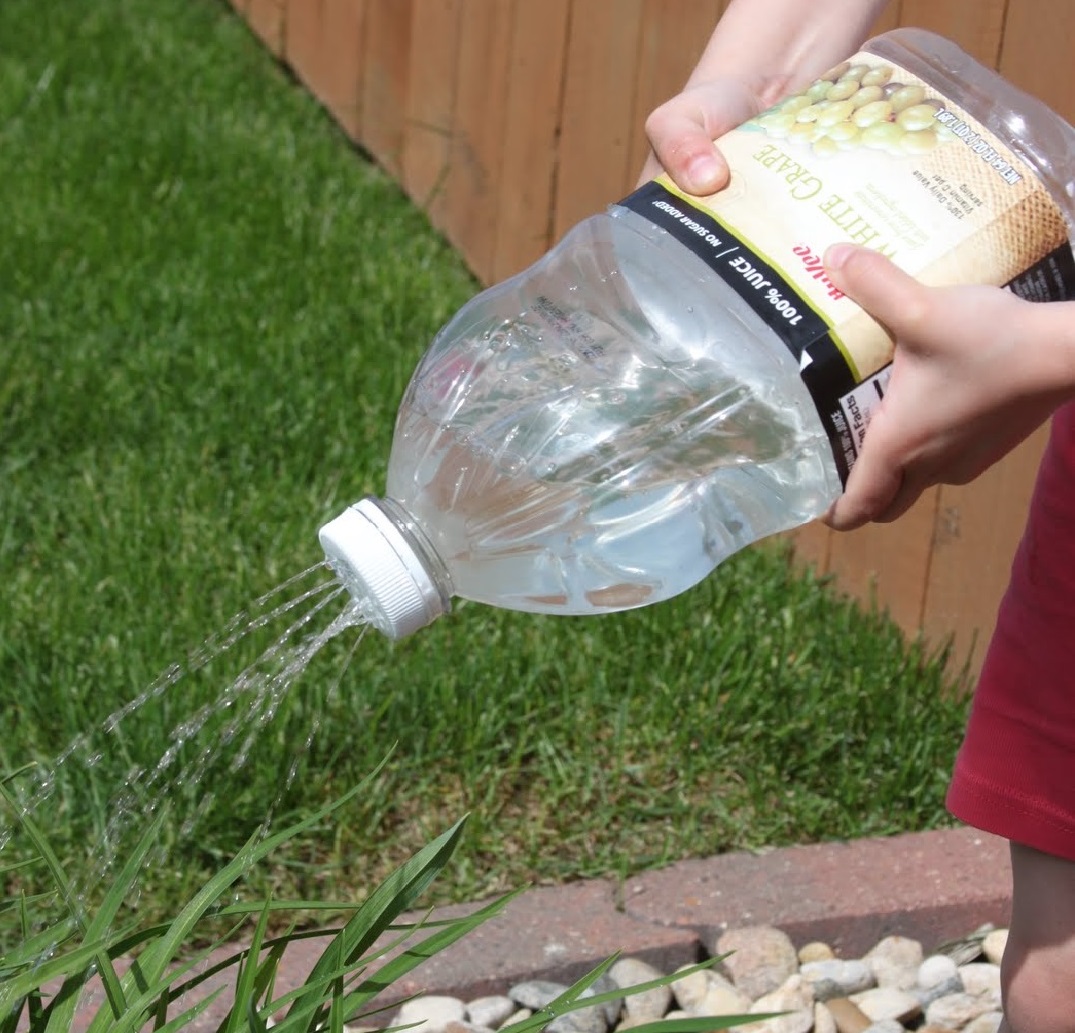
{"x": 895, "y": 987}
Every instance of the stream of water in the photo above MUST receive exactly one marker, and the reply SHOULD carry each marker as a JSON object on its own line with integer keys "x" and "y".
{"x": 208, "y": 747}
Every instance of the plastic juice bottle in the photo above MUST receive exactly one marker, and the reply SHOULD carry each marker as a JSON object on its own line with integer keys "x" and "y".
{"x": 678, "y": 378}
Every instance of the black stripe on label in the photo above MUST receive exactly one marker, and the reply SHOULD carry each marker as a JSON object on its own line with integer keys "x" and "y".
{"x": 757, "y": 282}
{"x": 1051, "y": 279}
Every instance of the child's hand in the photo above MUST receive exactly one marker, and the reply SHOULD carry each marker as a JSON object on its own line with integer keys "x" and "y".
{"x": 976, "y": 370}
{"x": 682, "y": 130}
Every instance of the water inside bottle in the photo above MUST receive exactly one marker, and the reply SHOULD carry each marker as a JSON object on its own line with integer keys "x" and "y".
{"x": 576, "y": 452}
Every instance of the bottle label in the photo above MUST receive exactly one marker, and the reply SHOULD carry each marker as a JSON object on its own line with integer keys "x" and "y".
{"x": 873, "y": 155}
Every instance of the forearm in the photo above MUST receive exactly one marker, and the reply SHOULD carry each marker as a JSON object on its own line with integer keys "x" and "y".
{"x": 783, "y": 44}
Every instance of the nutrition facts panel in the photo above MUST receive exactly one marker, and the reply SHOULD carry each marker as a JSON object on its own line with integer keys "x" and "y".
{"x": 857, "y": 408}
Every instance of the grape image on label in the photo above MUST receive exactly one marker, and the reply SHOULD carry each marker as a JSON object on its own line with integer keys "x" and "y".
{"x": 858, "y": 106}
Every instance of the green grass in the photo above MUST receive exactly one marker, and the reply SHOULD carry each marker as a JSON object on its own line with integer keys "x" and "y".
{"x": 210, "y": 306}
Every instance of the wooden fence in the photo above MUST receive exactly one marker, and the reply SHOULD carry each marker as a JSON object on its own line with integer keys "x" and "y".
{"x": 510, "y": 120}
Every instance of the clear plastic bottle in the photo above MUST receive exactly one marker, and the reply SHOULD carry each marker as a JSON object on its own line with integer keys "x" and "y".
{"x": 601, "y": 431}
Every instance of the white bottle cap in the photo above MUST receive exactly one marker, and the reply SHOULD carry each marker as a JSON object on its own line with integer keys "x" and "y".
{"x": 390, "y": 582}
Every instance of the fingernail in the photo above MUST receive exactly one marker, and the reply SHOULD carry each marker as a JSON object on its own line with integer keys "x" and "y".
{"x": 702, "y": 171}
{"x": 837, "y": 255}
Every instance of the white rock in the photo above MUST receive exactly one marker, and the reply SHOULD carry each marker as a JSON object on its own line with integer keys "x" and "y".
{"x": 722, "y": 999}
{"x": 885, "y": 1026}
{"x": 491, "y": 1012}
{"x": 895, "y": 962}
{"x": 434, "y": 1011}
{"x": 993, "y": 945}
{"x": 835, "y": 978}
{"x": 649, "y": 1005}
{"x": 795, "y": 998}
{"x": 937, "y": 968}
{"x": 815, "y": 951}
{"x": 886, "y": 1002}
{"x": 987, "y": 1023}
{"x": 956, "y": 1010}
{"x": 982, "y": 979}
{"x": 585, "y": 1020}
{"x": 535, "y": 993}
{"x": 823, "y": 1020}
{"x": 688, "y": 990}
{"x": 519, "y": 1016}
{"x": 760, "y": 959}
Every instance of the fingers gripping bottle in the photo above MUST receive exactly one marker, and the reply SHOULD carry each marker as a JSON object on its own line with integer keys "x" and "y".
{"x": 678, "y": 378}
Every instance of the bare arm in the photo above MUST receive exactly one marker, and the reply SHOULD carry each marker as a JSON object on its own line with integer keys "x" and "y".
{"x": 759, "y": 51}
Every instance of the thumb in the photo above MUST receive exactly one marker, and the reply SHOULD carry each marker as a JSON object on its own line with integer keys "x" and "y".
{"x": 890, "y": 295}
{"x": 686, "y": 150}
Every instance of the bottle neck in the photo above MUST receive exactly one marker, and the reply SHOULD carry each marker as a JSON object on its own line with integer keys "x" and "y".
{"x": 421, "y": 546}
{"x": 382, "y": 557}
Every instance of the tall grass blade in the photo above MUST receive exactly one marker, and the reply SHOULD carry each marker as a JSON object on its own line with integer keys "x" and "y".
{"x": 245, "y": 986}
{"x": 395, "y": 895}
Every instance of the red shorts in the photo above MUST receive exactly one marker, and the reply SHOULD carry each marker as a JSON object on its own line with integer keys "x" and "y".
{"x": 1015, "y": 773}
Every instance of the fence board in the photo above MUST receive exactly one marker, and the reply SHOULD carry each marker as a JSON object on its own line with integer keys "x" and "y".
{"x": 386, "y": 43}
{"x": 674, "y": 35}
{"x": 976, "y": 25}
{"x": 428, "y": 130}
{"x": 266, "y": 18}
{"x": 523, "y": 227}
{"x": 336, "y": 78}
{"x": 473, "y": 178}
{"x": 978, "y": 530}
{"x": 599, "y": 87}
{"x": 889, "y": 18}
{"x": 302, "y": 39}
{"x": 1036, "y": 52}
